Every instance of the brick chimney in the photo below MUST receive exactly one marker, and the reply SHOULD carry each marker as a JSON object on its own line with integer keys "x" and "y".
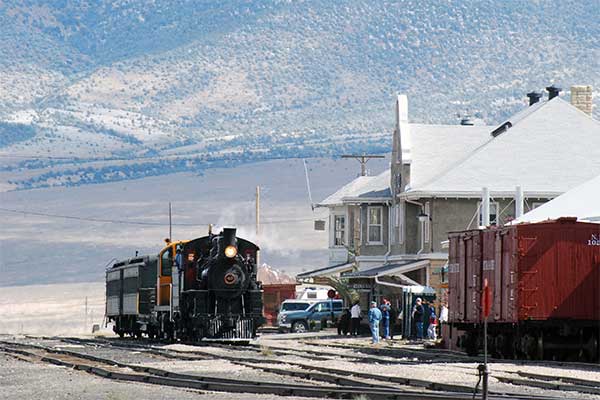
{"x": 581, "y": 97}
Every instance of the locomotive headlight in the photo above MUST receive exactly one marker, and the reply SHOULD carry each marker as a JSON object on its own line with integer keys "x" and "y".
{"x": 230, "y": 251}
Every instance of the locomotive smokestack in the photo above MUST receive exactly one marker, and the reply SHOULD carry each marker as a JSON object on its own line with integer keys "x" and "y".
{"x": 228, "y": 245}
{"x": 229, "y": 236}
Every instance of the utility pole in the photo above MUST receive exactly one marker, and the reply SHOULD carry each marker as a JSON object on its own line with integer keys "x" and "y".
{"x": 170, "y": 224}
{"x": 312, "y": 205}
{"x": 363, "y": 159}
{"x": 86, "y": 314}
{"x": 257, "y": 210}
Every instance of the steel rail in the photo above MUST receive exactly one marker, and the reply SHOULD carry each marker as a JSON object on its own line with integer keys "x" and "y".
{"x": 326, "y": 374}
{"x": 221, "y": 385}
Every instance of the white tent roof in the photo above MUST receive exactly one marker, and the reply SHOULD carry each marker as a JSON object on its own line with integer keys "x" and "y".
{"x": 581, "y": 202}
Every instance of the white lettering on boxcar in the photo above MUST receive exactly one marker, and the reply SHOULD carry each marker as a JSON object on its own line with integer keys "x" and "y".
{"x": 594, "y": 241}
{"x": 489, "y": 265}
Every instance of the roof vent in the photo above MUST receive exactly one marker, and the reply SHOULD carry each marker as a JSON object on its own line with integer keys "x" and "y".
{"x": 467, "y": 121}
{"x": 553, "y": 91}
{"x": 502, "y": 128}
{"x": 534, "y": 97}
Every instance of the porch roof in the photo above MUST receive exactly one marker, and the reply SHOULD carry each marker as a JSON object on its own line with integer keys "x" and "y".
{"x": 325, "y": 271}
{"x": 387, "y": 269}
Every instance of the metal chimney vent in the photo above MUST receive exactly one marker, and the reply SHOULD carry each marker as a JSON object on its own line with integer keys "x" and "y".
{"x": 553, "y": 91}
{"x": 534, "y": 97}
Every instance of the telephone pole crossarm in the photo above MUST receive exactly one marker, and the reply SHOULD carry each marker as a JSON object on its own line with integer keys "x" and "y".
{"x": 363, "y": 159}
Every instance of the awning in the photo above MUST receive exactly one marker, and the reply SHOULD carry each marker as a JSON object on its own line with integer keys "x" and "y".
{"x": 326, "y": 271}
{"x": 396, "y": 269}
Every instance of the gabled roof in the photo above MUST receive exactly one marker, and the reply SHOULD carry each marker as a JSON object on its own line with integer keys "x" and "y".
{"x": 363, "y": 188}
{"x": 550, "y": 148}
{"x": 431, "y": 149}
{"x": 581, "y": 202}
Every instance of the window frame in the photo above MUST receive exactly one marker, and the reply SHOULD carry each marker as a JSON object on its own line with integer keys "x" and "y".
{"x": 480, "y": 213}
{"x": 369, "y": 225}
{"x": 343, "y": 230}
{"x": 169, "y": 252}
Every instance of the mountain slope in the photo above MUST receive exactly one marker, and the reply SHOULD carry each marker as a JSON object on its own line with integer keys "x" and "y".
{"x": 316, "y": 76}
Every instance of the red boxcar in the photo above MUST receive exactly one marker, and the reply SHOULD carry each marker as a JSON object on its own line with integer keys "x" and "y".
{"x": 273, "y": 296}
{"x": 545, "y": 284}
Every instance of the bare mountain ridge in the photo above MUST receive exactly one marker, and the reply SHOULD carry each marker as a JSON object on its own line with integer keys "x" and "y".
{"x": 122, "y": 79}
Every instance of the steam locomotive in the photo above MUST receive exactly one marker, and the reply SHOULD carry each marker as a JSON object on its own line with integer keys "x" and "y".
{"x": 194, "y": 290}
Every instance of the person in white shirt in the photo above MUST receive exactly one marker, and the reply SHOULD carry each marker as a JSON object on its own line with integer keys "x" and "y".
{"x": 355, "y": 319}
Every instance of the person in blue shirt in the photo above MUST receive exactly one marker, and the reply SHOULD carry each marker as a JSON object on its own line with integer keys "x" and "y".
{"x": 374, "y": 319}
{"x": 179, "y": 259}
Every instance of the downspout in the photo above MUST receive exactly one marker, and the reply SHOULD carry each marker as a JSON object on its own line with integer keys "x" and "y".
{"x": 421, "y": 224}
{"x": 389, "y": 251}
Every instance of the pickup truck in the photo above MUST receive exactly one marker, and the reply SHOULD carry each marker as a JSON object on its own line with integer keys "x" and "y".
{"x": 303, "y": 320}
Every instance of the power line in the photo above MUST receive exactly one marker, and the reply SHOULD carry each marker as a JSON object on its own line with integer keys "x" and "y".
{"x": 127, "y": 222}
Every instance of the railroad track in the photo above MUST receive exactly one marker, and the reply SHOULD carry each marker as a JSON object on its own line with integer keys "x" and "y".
{"x": 323, "y": 374}
{"x": 549, "y": 382}
{"x": 451, "y": 356}
{"x": 308, "y": 354}
{"x": 564, "y": 384}
{"x": 310, "y": 372}
{"x": 340, "y": 376}
{"x": 115, "y": 370}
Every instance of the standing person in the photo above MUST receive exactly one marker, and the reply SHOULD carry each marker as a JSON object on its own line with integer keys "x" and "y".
{"x": 393, "y": 319}
{"x": 385, "y": 314}
{"x": 355, "y": 319}
{"x": 417, "y": 314}
{"x": 344, "y": 323}
{"x": 444, "y": 314}
{"x": 431, "y": 330}
{"x": 179, "y": 259}
{"x": 374, "y": 319}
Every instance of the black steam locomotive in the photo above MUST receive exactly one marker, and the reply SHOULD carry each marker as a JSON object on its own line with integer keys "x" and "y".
{"x": 194, "y": 290}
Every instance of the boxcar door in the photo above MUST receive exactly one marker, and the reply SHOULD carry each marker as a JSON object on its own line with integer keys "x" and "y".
{"x": 473, "y": 276}
{"x": 454, "y": 287}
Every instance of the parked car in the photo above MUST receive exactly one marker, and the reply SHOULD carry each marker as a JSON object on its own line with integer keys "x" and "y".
{"x": 295, "y": 305}
{"x": 304, "y": 320}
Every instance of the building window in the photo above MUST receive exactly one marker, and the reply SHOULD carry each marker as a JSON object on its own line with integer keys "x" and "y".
{"x": 444, "y": 272}
{"x": 494, "y": 207}
{"x": 427, "y": 223}
{"x": 400, "y": 221}
{"x": 339, "y": 230}
{"x": 375, "y": 226}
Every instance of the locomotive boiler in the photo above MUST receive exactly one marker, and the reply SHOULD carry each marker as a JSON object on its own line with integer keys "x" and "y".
{"x": 200, "y": 289}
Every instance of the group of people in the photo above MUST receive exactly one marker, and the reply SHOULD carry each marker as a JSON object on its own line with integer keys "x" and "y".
{"x": 383, "y": 316}
{"x": 381, "y": 319}
{"x": 423, "y": 311}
